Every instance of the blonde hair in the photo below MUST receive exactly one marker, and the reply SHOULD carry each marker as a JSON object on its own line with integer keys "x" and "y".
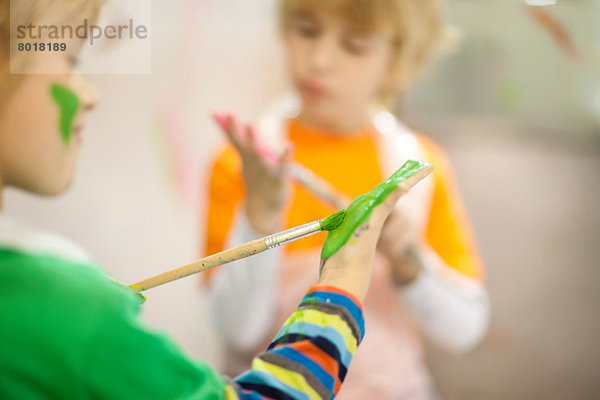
{"x": 419, "y": 29}
{"x": 29, "y": 11}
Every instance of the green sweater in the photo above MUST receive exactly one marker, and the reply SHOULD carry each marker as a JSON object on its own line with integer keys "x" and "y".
{"x": 67, "y": 332}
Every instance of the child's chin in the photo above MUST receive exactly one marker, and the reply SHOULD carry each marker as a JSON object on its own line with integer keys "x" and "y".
{"x": 66, "y": 186}
{"x": 60, "y": 186}
{"x": 321, "y": 113}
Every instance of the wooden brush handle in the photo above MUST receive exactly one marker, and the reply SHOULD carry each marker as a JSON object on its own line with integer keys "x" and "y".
{"x": 250, "y": 248}
{"x": 206, "y": 263}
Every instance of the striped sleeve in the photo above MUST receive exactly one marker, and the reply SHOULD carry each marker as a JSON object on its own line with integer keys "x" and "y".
{"x": 311, "y": 353}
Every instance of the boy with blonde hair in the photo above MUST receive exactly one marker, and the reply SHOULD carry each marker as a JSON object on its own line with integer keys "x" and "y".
{"x": 345, "y": 57}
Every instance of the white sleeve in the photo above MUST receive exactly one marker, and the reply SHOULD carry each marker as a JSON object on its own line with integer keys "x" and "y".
{"x": 452, "y": 308}
{"x": 243, "y": 293}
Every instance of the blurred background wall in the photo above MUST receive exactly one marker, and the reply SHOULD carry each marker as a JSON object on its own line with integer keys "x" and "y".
{"x": 518, "y": 114}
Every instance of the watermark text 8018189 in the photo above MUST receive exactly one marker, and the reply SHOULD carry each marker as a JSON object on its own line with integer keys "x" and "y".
{"x": 42, "y": 46}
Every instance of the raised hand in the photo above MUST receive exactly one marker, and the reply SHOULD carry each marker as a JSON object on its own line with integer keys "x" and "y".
{"x": 266, "y": 186}
{"x": 348, "y": 252}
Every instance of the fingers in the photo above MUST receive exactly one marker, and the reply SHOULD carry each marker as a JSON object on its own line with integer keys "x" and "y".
{"x": 383, "y": 210}
{"x": 393, "y": 198}
{"x": 220, "y": 119}
{"x": 283, "y": 162}
{"x": 246, "y": 140}
{"x": 234, "y": 132}
{"x": 251, "y": 138}
{"x": 239, "y": 136}
{"x": 223, "y": 120}
{"x": 228, "y": 125}
{"x": 413, "y": 175}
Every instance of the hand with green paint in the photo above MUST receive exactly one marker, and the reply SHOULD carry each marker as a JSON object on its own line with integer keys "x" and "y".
{"x": 350, "y": 267}
{"x": 349, "y": 250}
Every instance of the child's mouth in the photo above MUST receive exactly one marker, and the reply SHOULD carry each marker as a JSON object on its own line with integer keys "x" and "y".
{"x": 77, "y": 133}
{"x": 313, "y": 89}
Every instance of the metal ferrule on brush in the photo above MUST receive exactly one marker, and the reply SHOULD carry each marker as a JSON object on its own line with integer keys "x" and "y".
{"x": 277, "y": 239}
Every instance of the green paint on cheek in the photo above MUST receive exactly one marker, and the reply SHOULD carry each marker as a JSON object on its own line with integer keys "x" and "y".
{"x": 359, "y": 211}
{"x": 68, "y": 104}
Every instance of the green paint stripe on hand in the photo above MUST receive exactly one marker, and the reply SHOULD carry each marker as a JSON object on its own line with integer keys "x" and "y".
{"x": 359, "y": 211}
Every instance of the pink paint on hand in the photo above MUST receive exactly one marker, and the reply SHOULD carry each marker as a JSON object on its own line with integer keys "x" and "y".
{"x": 245, "y": 132}
{"x": 303, "y": 176}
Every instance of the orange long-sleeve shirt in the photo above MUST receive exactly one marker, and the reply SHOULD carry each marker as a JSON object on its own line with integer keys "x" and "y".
{"x": 352, "y": 165}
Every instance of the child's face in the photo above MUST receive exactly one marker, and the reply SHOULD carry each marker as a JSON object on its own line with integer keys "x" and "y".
{"x": 338, "y": 70}
{"x": 34, "y": 154}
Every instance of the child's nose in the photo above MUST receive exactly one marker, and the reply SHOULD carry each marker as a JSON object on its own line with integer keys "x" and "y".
{"x": 323, "y": 53}
{"x": 88, "y": 94}
{"x": 91, "y": 97}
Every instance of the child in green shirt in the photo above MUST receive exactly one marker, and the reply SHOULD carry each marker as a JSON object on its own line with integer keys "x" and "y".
{"x": 69, "y": 332}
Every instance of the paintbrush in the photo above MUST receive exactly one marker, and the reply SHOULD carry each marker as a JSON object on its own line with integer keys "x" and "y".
{"x": 310, "y": 181}
{"x": 269, "y": 242}
{"x": 242, "y": 251}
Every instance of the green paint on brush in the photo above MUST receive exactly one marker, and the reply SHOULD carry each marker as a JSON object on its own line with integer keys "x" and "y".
{"x": 333, "y": 221}
{"x": 68, "y": 104}
{"x": 359, "y": 211}
{"x": 141, "y": 296}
